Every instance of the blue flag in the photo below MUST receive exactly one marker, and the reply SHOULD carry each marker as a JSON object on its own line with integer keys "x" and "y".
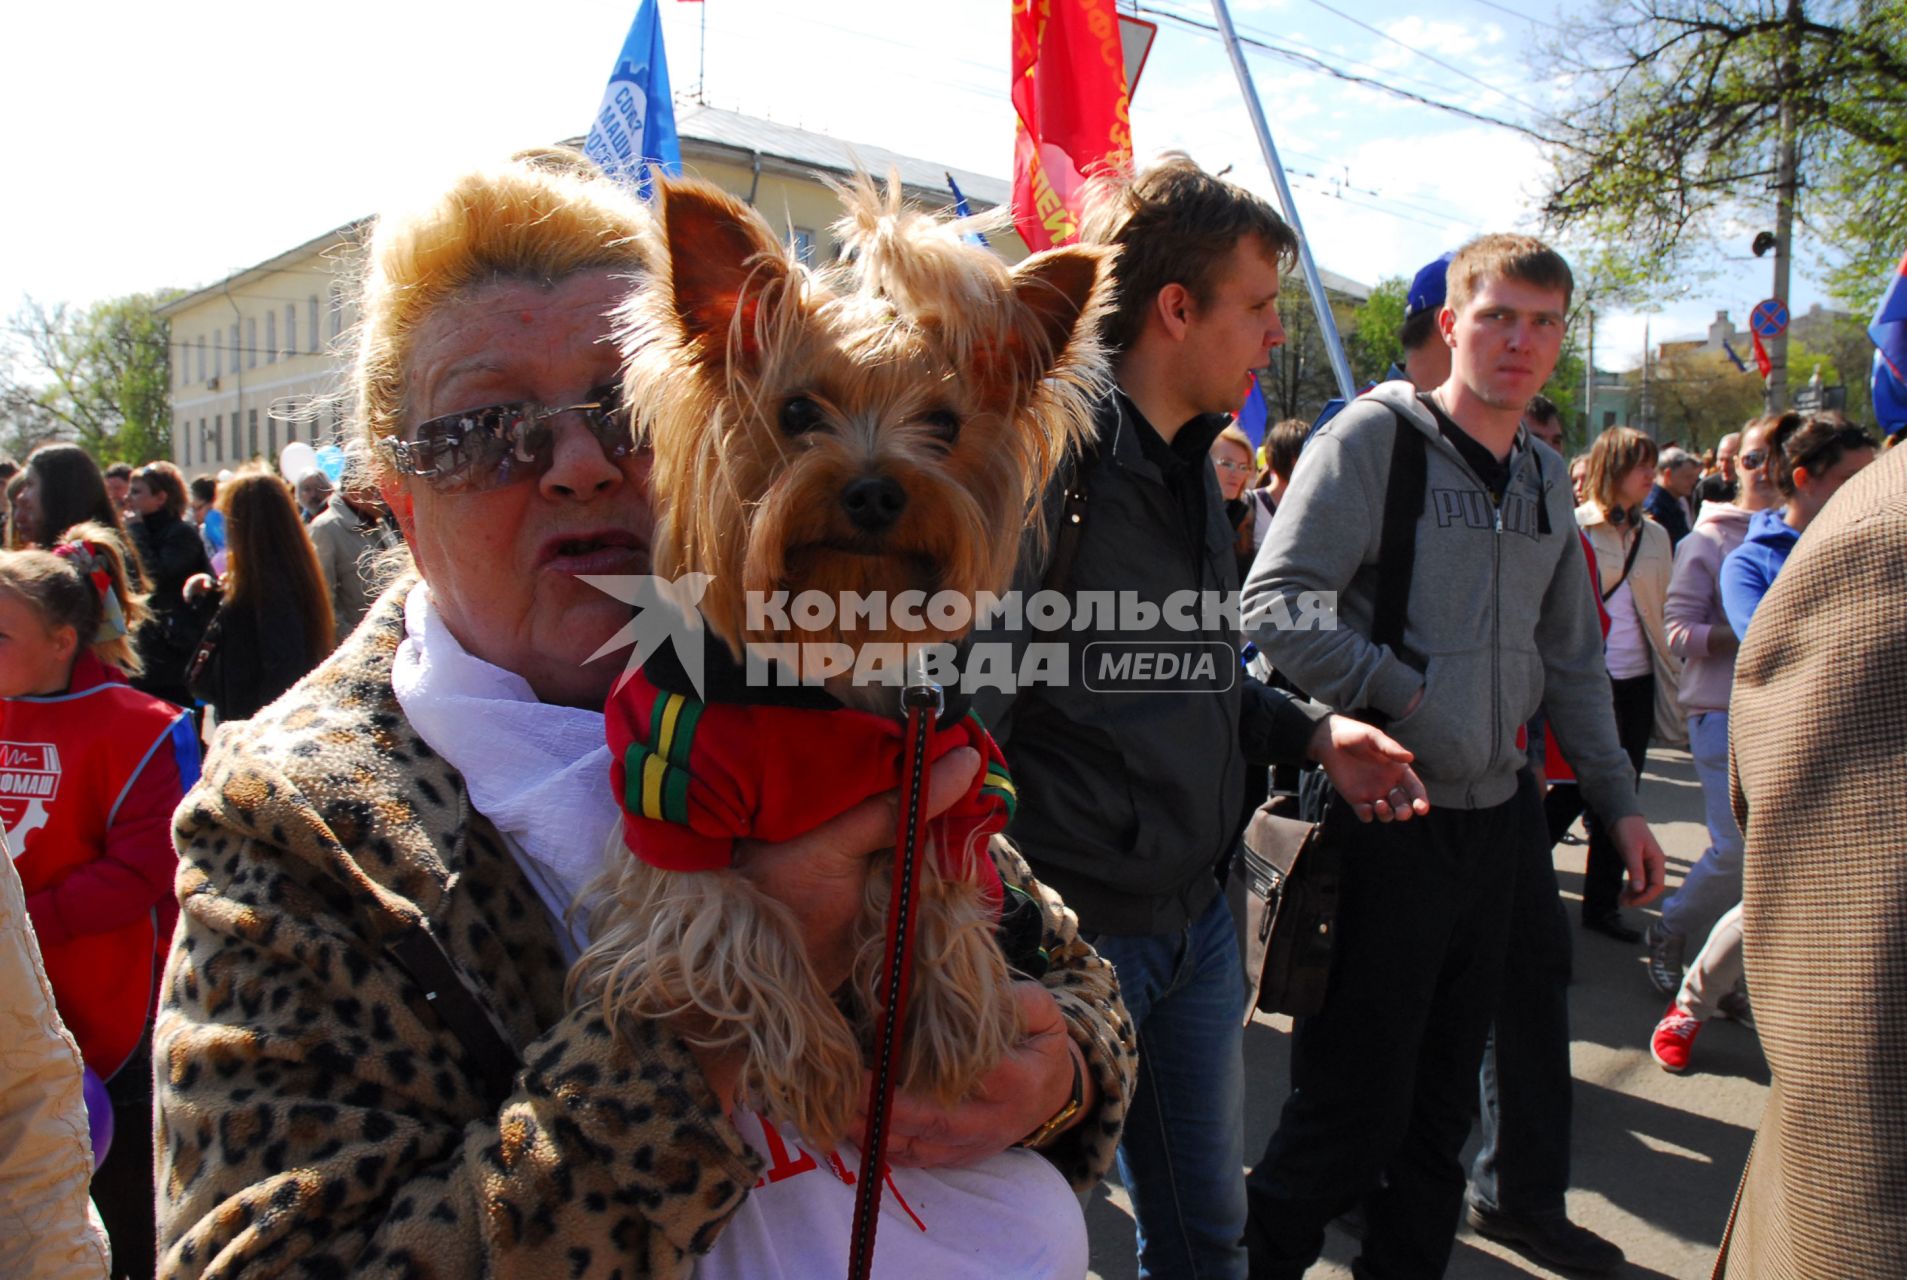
{"x": 634, "y": 130}
{"x": 962, "y": 211}
{"x": 1739, "y": 363}
{"x": 1890, "y": 397}
{"x": 1252, "y": 415}
{"x": 1889, "y": 330}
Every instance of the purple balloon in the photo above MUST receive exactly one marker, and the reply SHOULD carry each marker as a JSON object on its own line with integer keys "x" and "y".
{"x": 99, "y": 1116}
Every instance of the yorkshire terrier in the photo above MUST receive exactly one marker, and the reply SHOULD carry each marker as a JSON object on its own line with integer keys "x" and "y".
{"x": 883, "y": 424}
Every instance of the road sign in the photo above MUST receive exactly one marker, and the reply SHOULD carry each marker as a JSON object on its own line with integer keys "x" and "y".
{"x": 1769, "y": 318}
{"x": 1135, "y": 41}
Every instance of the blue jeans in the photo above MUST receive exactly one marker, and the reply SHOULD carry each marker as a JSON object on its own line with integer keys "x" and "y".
{"x": 1714, "y": 882}
{"x": 1182, "y": 1157}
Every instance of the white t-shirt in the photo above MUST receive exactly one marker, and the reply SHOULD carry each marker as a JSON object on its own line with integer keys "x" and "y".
{"x": 1009, "y": 1217}
{"x": 1626, "y": 651}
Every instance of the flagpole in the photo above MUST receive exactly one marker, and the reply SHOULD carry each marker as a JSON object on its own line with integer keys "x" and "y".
{"x": 1333, "y": 344}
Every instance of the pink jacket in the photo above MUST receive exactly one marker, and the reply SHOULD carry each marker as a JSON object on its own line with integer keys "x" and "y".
{"x": 1698, "y": 629}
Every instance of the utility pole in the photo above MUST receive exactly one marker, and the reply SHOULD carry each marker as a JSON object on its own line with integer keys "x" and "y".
{"x": 1589, "y": 382}
{"x": 1645, "y": 408}
{"x": 1320, "y": 301}
{"x": 1784, "y": 206}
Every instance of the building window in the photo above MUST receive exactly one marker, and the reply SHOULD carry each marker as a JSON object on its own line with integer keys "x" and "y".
{"x": 218, "y": 433}
{"x": 311, "y": 314}
{"x": 291, "y": 330}
{"x": 271, "y": 436}
{"x": 201, "y": 357}
{"x": 803, "y": 241}
{"x": 238, "y": 439}
{"x": 251, "y": 342}
{"x": 182, "y": 438}
{"x": 251, "y": 433}
{"x": 337, "y": 310}
{"x": 234, "y": 346}
{"x": 271, "y": 337}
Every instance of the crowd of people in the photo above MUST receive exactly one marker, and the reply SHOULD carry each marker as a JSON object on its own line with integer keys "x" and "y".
{"x": 307, "y": 794}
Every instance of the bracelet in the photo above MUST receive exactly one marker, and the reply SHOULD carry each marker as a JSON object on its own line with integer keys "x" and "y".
{"x": 1064, "y": 1116}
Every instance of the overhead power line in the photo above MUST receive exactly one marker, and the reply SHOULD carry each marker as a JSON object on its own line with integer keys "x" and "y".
{"x": 1314, "y": 63}
{"x": 1527, "y": 17}
{"x": 1452, "y": 68}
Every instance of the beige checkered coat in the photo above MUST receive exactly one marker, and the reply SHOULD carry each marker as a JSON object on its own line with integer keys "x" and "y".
{"x": 1819, "y": 730}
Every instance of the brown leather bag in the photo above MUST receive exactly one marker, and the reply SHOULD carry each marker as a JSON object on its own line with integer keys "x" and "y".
{"x": 1284, "y": 891}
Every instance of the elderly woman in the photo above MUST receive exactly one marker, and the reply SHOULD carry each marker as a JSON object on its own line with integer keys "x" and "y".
{"x": 366, "y": 1059}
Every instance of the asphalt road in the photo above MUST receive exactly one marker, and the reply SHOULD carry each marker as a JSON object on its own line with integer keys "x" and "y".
{"x": 1656, "y": 1157}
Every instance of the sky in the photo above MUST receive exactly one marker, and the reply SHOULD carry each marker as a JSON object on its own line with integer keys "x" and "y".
{"x": 154, "y": 146}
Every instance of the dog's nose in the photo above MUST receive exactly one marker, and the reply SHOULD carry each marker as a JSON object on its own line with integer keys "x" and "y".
{"x": 874, "y": 502}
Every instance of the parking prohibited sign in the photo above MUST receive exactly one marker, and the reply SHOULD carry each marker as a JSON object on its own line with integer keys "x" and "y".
{"x": 1769, "y": 318}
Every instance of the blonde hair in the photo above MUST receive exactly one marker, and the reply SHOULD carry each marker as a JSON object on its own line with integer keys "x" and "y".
{"x": 534, "y": 218}
{"x": 59, "y": 588}
{"x": 1616, "y": 453}
{"x": 1505, "y": 257}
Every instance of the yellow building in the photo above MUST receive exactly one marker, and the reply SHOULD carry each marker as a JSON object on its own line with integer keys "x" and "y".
{"x": 255, "y": 357}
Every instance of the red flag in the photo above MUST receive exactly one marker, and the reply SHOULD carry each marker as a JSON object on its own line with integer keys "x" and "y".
{"x": 1069, "y": 91}
{"x": 1762, "y": 362}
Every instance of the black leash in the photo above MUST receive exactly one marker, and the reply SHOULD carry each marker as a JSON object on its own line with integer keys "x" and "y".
{"x": 922, "y": 701}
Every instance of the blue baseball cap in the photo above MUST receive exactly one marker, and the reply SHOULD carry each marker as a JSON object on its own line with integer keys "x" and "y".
{"x": 1427, "y": 288}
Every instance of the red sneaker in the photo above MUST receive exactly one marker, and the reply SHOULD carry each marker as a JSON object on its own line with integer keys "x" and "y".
{"x": 1673, "y": 1039}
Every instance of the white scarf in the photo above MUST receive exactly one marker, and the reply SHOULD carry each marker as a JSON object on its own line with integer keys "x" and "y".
{"x": 539, "y": 772}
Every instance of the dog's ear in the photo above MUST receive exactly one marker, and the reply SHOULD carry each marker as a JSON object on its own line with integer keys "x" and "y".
{"x": 1062, "y": 295}
{"x": 722, "y": 261}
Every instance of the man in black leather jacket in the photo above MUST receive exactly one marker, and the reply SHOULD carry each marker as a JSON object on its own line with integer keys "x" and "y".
{"x": 1132, "y": 773}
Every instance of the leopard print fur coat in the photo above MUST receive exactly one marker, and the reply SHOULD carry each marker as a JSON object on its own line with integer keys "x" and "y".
{"x": 317, "y": 1113}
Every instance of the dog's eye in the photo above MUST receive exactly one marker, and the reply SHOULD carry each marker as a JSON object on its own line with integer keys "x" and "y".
{"x": 800, "y": 415}
{"x": 942, "y": 425}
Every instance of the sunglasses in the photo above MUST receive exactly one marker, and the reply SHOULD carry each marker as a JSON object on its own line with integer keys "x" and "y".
{"x": 1753, "y": 459}
{"x": 488, "y": 448}
{"x": 1233, "y": 467}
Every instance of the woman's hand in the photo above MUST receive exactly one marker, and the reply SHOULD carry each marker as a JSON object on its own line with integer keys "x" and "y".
{"x": 822, "y": 875}
{"x": 198, "y": 584}
{"x": 1026, "y": 1090}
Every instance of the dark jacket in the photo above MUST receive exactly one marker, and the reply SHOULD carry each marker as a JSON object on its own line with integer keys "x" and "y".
{"x": 254, "y": 659}
{"x": 1130, "y": 796}
{"x": 1668, "y": 512}
{"x": 170, "y": 551}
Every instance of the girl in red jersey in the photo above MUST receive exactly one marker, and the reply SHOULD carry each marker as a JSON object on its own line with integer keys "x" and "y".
{"x": 90, "y": 771}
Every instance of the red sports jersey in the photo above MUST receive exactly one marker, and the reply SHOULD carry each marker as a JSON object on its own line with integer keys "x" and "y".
{"x": 694, "y": 777}
{"x": 88, "y": 782}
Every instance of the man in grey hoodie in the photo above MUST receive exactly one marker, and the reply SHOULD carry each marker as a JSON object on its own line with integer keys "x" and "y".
{"x": 1497, "y": 617}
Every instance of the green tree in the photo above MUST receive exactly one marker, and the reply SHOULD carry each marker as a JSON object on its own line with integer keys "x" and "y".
{"x": 1298, "y": 379}
{"x": 1671, "y": 131}
{"x": 100, "y": 376}
{"x": 1700, "y": 396}
{"x": 1371, "y": 342}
